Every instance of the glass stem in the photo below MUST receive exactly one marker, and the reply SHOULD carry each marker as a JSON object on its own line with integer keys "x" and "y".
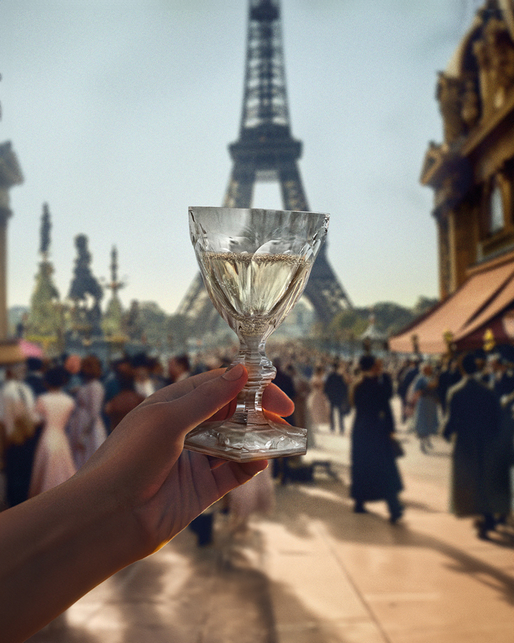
{"x": 260, "y": 373}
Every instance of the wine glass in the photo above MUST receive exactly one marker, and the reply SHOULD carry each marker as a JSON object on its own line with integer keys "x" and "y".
{"x": 255, "y": 265}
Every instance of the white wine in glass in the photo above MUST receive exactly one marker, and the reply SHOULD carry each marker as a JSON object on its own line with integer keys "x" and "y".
{"x": 255, "y": 265}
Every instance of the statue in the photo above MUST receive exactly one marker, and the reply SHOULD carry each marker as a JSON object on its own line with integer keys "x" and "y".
{"x": 86, "y": 314}
{"x": 448, "y": 94}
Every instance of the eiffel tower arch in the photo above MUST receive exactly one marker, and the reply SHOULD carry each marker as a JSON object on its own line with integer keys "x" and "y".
{"x": 266, "y": 151}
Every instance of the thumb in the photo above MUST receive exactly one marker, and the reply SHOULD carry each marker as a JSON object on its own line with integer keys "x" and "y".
{"x": 208, "y": 398}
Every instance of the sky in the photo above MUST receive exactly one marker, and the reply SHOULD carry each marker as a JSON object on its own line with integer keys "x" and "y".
{"x": 121, "y": 112}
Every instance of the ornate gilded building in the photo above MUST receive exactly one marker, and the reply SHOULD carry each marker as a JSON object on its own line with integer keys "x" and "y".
{"x": 472, "y": 175}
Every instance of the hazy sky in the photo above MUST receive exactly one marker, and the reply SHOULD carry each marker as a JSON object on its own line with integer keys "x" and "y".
{"x": 120, "y": 113}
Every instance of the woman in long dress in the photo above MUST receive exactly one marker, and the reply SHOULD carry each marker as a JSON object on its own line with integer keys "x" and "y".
{"x": 426, "y": 418}
{"x": 86, "y": 428}
{"x": 317, "y": 402}
{"x": 53, "y": 461}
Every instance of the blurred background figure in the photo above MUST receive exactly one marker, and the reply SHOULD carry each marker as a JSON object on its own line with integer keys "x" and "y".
{"x": 336, "y": 390}
{"x": 449, "y": 374}
{"x": 301, "y": 392}
{"x": 86, "y": 428}
{"x": 126, "y": 399}
{"x": 53, "y": 461}
{"x": 143, "y": 382}
{"x": 34, "y": 376}
{"x": 179, "y": 368}
{"x": 317, "y": 402}
{"x": 21, "y": 424}
{"x": 482, "y": 453}
{"x": 426, "y": 406}
{"x": 157, "y": 373}
{"x": 375, "y": 474}
{"x": 285, "y": 383}
{"x": 72, "y": 364}
{"x": 406, "y": 376}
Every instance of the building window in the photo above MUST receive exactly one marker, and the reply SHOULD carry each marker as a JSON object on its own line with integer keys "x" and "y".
{"x": 496, "y": 210}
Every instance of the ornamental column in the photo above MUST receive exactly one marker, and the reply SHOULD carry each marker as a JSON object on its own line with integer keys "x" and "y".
{"x": 10, "y": 175}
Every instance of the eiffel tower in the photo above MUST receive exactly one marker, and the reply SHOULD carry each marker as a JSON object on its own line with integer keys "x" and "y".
{"x": 266, "y": 151}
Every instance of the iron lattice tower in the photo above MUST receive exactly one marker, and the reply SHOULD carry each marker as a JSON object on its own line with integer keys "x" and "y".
{"x": 266, "y": 151}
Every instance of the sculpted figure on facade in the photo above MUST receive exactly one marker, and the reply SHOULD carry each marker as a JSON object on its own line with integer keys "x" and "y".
{"x": 470, "y": 111}
{"x": 495, "y": 56}
{"x": 448, "y": 93}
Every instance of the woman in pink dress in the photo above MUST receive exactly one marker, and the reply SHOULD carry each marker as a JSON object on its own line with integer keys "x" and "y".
{"x": 53, "y": 462}
{"x": 86, "y": 428}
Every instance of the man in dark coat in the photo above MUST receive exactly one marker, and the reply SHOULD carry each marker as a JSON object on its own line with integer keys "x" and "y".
{"x": 481, "y": 464}
{"x": 336, "y": 390}
{"x": 374, "y": 473}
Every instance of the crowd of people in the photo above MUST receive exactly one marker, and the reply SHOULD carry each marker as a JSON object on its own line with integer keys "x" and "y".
{"x": 466, "y": 399}
{"x": 58, "y": 419}
{"x": 56, "y": 413}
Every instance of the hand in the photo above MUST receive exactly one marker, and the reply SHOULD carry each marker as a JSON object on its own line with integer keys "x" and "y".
{"x": 144, "y": 464}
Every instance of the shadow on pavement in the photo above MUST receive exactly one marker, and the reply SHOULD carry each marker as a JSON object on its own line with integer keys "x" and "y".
{"x": 329, "y": 503}
{"x": 183, "y": 594}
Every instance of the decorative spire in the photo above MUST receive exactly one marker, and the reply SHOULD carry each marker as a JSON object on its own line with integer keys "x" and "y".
{"x": 45, "y": 319}
{"x": 46, "y": 226}
{"x": 112, "y": 323}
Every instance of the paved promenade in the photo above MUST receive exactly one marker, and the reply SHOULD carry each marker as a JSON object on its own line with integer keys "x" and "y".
{"x": 315, "y": 572}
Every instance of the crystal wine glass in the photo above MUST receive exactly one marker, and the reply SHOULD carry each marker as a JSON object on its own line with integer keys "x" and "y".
{"x": 255, "y": 265}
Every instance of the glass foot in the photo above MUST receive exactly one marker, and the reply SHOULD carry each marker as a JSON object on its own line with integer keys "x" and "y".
{"x": 234, "y": 441}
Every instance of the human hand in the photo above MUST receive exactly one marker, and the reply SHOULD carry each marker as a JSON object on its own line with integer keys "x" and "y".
{"x": 143, "y": 462}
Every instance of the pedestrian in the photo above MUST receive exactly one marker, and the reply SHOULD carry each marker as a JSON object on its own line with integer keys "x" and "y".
{"x": 426, "y": 406}
{"x": 449, "y": 375}
{"x": 317, "y": 402}
{"x": 35, "y": 375}
{"x": 285, "y": 383}
{"x": 126, "y": 399}
{"x": 143, "y": 382}
{"x": 405, "y": 378}
{"x": 53, "y": 461}
{"x": 336, "y": 390}
{"x": 72, "y": 364}
{"x": 86, "y": 427}
{"x": 374, "y": 471}
{"x": 20, "y": 422}
{"x": 179, "y": 368}
{"x": 301, "y": 392}
{"x": 482, "y": 456}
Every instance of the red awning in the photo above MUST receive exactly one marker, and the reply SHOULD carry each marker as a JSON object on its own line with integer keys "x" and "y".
{"x": 480, "y": 298}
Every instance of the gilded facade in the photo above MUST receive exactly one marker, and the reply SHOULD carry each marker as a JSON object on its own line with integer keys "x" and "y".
{"x": 472, "y": 170}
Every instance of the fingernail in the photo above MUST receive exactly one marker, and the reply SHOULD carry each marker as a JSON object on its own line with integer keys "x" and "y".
{"x": 233, "y": 373}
